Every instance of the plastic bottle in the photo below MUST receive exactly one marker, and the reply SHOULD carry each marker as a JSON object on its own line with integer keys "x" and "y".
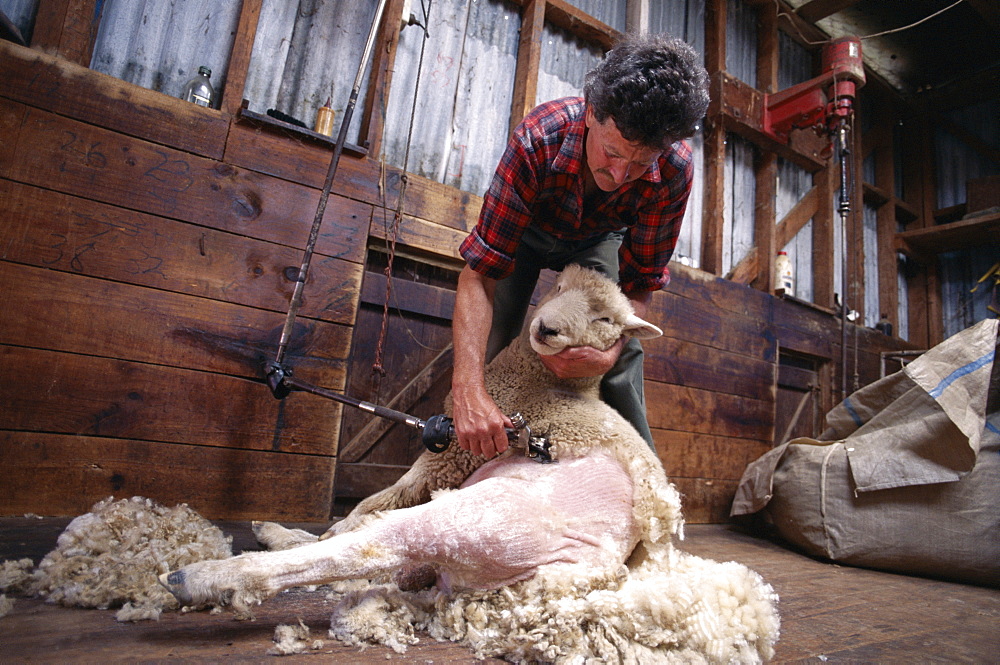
{"x": 324, "y": 119}
{"x": 199, "y": 90}
{"x": 784, "y": 276}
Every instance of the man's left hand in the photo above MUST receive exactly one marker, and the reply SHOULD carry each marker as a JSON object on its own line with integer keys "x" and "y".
{"x": 575, "y": 362}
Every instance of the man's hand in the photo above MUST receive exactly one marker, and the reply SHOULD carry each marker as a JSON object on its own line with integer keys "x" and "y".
{"x": 575, "y": 362}
{"x": 480, "y": 426}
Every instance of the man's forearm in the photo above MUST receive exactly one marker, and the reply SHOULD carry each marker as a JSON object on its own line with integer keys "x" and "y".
{"x": 471, "y": 326}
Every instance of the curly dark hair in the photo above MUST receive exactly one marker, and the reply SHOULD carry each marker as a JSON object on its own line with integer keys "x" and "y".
{"x": 653, "y": 86}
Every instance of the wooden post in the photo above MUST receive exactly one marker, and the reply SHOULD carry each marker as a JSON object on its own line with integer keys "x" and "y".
{"x": 239, "y": 58}
{"x": 529, "y": 55}
{"x": 66, "y": 28}
{"x": 824, "y": 182}
{"x": 927, "y": 324}
{"x": 885, "y": 180}
{"x": 383, "y": 65}
{"x": 766, "y": 163}
{"x": 715, "y": 140}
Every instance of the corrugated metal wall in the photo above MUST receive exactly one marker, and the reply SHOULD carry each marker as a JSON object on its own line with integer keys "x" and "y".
{"x": 306, "y": 52}
{"x": 686, "y": 20}
{"x": 738, "y": 210}
{"x": 160, "y": 45}
{"x": 956, "y": 163}
{"x": 741, "y": 41}
{"x": 960, "y": 272}
{"x": 565, "y": 61}
{"x": 795, "y": 65}
{"x": 611, "y": 12}
{"x": 463, "y": 95}
{"x": 22, "y": 14}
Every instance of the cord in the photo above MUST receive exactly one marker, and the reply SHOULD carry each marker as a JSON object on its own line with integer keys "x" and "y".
{"x": 877, "y": 34}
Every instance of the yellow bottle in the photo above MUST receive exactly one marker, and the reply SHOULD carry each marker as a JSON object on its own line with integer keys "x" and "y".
{"x": 324, "y": 119}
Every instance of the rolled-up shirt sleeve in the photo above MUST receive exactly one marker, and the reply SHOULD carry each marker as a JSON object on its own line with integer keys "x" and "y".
{"x": 489, "y": 249}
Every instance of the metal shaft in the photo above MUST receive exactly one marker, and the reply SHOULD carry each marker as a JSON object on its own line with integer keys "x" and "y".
{"x": 296, "y": 302}
{"x": 844, "y": 208}
{"x": 382, "y": 411}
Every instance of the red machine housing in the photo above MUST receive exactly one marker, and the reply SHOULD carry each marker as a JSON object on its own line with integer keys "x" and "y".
{"x": 822, "y": 103}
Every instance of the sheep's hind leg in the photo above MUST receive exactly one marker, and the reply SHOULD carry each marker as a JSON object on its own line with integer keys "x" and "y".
{"x": 247, "y": 580}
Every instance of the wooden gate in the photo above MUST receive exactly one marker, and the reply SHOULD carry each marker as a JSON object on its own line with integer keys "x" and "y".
{"x": 416, "y": 360}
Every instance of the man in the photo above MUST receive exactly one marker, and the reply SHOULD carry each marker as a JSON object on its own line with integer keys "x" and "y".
{"x": 602, "y": 181}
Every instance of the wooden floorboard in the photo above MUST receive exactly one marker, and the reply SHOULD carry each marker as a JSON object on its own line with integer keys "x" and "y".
{"x": 829, "y": 613}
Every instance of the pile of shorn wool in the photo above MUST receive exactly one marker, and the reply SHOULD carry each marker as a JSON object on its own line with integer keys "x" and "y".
{"x": 111, "y": 556}
{"x": 673, "y": 607}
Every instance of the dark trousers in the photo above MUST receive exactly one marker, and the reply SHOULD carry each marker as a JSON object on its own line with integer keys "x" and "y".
{"x": 622, "y": 386}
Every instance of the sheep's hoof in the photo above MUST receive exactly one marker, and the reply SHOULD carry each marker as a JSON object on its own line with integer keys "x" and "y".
{"x": 174, "y": 583}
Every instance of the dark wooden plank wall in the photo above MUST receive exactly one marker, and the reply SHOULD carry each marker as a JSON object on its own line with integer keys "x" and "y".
{"x": 148, "y": 253}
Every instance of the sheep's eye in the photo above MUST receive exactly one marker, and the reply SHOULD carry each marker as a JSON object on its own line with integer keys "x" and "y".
{"x": 604, "y": 319}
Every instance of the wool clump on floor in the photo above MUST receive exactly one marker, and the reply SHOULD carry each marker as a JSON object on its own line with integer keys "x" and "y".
{"x": 293, "y": 639}
{"x": 671, "y": 608}
{"x": 111, "y": 556}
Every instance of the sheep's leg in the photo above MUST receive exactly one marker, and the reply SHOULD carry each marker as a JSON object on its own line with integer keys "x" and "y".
{"x": 430, "y": 472}
{"x": 491, "y": 533}
{"x": 250, "y": 578}
{"x": 275, "y": 537}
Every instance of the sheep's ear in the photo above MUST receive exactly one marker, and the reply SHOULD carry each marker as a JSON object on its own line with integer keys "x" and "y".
{"x": 640, "y": 328}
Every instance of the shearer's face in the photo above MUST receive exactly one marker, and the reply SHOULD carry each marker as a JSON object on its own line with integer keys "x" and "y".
{"x": 612, "y": 160}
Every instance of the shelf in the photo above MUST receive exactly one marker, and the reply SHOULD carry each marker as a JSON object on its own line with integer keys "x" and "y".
{"x": 301, "y": 132}
{"x": 924, "y": 244}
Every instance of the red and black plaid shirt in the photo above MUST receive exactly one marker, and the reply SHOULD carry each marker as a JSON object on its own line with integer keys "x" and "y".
{"x": 540, "y": 181}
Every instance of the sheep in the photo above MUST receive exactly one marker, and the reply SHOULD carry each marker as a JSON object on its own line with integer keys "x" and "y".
{"x": 554, "y": 562}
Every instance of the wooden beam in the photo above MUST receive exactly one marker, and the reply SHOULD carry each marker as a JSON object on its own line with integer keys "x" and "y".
{"x": 924, "y": 244}
{"x": 749, "y": 268}
{"x": 797, "y": 217}
{"x": 529, "y": 56}
{"x": 964, "y": 92}
{"x": 979, "y": 146}
{"x": 66, "y": 28}
{"x": 817, "y": 10}
{"x": 41, "y": 80}
{"x": 804, "y": 33}
{"x": 383, "y": 66}
{"x": 239, "y": 57}
{"x": 564, "y": 15}
{"x": 740, "y": 108}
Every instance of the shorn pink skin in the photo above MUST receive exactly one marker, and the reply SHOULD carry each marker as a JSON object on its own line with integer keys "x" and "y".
{"x": 527, "y": 515}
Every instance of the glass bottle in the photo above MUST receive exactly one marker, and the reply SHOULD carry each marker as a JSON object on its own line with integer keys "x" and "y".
{"x": 199, "y": 89}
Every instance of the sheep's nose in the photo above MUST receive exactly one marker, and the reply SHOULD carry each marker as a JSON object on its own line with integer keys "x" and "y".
{"x": 545, "y": 331}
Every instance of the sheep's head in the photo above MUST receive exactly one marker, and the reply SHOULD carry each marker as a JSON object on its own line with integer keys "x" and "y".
{"x": 585, "y": 308}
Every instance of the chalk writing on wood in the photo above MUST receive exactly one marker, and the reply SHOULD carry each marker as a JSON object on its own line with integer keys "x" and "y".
{"x": 173, "y": 177}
